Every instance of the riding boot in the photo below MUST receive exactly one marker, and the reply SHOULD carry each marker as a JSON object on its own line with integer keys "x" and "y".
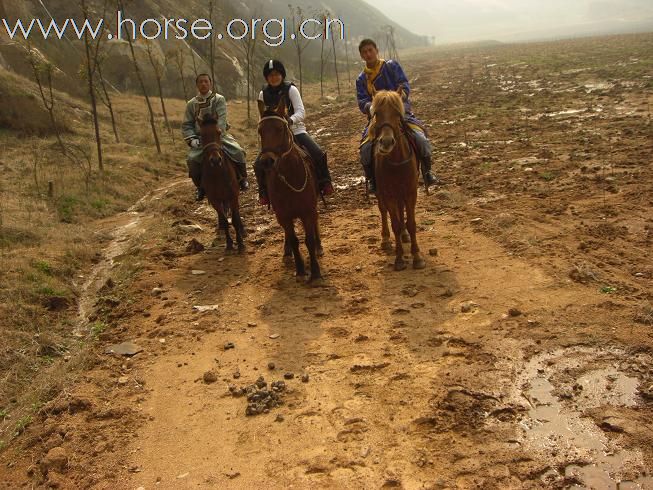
{"x": 241, "y": 170}
{"x": 195, "y": 173}
{"x": 429, "y": 178}
{"x": 260, "y": 181}
{"x": 324, "y": 176}
{"x": 371, "y": 178}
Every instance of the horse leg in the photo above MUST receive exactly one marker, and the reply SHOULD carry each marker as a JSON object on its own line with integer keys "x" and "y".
{"x": 405, "y": 236}
{"x": 396, "y": 217}
{"x": 223, "y": 224}
{"x": 411, "y": 225}
{"x": 293, "y": 241}
{"x": 318, "y": 240}
{"x": 239, "y": 227}
{"x": 311, "y": 227}
{"x": 287, "y": 252}
{"x": 386, "y": 245}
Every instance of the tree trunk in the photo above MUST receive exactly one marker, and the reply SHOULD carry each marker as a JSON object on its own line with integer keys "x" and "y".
{"x": 142, "y": 84}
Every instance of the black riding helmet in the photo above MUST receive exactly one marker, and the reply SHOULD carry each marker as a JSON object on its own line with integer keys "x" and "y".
{"x": 274, "y": 65}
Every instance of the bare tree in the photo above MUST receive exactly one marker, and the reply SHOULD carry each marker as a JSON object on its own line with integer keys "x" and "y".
{"x": 142, "y": 83}
{"x": 91, "y": 67}
{"x": 179, "y": 61}
{"x": 43, "y": 71}
{"x": 322, "y": 41}
{"x": 335, "y": 56}
{"x": 211, "y": 44}
{"x": 158, "y": 75}
{"x": 297, "y": 16}
{"x": 105, "y": 98}
{"x": 347, "y": 56}
{"x": 250, "y": 49}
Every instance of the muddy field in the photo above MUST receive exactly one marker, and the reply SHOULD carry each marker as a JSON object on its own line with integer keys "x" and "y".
{"x": 519, "y": 358}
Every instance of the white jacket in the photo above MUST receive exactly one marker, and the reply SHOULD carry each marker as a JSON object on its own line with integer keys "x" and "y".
{"x": 298, "y": 126}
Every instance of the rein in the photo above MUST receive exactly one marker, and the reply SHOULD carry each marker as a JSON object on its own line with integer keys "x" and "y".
{"x": 278, "y": 157}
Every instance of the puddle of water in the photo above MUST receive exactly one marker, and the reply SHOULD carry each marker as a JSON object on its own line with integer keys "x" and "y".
{"x": 564, "y": 435}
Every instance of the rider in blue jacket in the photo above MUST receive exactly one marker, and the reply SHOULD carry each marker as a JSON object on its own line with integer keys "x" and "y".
{"x": 387, "y": 75}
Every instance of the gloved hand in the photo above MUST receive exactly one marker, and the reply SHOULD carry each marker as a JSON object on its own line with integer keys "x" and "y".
{"x": 290, "y": 121}
{"x": 194, "y": 143}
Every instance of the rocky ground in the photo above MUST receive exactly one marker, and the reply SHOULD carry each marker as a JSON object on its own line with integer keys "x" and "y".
{"x": 519, "y": 358}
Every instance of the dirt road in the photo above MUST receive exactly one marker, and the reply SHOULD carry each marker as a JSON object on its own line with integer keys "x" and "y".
{"x": 519, "y": 358}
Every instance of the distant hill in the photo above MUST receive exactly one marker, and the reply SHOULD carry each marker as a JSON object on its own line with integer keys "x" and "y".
{"x": 361, "y": 20}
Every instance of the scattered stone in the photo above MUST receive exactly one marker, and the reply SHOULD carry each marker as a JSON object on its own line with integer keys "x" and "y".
{"x": 271, "y": 366}
{"x": 204, "y": 309}
{"x": 251, "y": 324}
{"x": 194, "y": 247}
{"x": 127, "y": 349}
{"x": 361, "y": 338}
{"x": 197, "y": 272}
{"x": 275, "y": 336}
{"x": 528, "y": 169}
{"x": 181, "y": 477}
{"x": 162, "y": 341}
{"x": 232, "y": 475}
{"x": 514, "y": 312}
{"x": 191, "y": 228}
{"x": 157, "y": 291}
{"x": 288, "y": 376}
{"x": 237, "y": 375}
{"x": 55, "y": 460}
{"x": 433, "y": 252}
{"x": 229, "y": 345}
{"x": 467, "y": 307}
{"x": 365, "y": 452}
{"x": 210, "y": 377}
{"x": 476, "y": 220}
{"x": 305, "y": 378}
{"x": 360, "y": 368}
{"x": 279, "y": 418}
{"x": 123, "y": 380}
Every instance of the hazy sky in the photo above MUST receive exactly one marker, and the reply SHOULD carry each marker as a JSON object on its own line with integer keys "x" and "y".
{"x": 504, "y": 20}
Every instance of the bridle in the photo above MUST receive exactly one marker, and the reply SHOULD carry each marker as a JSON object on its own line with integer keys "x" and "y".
{"x": 278, "y": 153}
{"x": 215, "y": 146}
{"x": 394, "y": 133}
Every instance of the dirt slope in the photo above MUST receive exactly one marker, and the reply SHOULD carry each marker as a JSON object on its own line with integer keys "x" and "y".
{"x": 519, "y": 358}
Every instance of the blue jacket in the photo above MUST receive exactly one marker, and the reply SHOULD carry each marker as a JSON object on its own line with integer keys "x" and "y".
{"x": 391, "y": 77}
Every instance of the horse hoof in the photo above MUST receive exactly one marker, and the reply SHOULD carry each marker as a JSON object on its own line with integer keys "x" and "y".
{"x": 419, "y": 264}
{"x": 400, "y": 265}
{"x": 300, "y": 278}
{"x": 242, "y": 249}
{"x": 405, "y": 237}
{"x": 229, "y": 249}
{"x": 387, "y": 247}
{"x": 318, "y": 282}
{"x": 320, "y": 252}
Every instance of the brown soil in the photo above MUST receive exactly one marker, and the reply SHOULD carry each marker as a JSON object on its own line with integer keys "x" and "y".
{"x": 519, "y": 358}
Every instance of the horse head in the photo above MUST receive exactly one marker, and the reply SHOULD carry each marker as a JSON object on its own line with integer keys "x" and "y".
{"x": 211, "y": 138}
{"x": 387, "y": 114}
{"x": 274, "y": 132}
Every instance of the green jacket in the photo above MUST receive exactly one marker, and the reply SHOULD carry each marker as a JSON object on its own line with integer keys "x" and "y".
{"x": 216, "y": 105}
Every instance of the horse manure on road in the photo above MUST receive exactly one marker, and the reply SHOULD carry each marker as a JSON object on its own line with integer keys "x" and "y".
{"x": 261, "y": 398}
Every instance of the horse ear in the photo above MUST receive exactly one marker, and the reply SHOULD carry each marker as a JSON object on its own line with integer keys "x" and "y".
{"x": 281, "y": 107}
{"x": 261, "y": 107}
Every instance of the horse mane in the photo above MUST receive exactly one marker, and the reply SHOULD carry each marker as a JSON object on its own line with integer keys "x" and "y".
{"x": 382, "y": 100}
{"x": 208, "y": 119}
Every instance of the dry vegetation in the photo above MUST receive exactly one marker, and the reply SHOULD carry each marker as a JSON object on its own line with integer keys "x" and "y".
{"x": 47, "y": 208}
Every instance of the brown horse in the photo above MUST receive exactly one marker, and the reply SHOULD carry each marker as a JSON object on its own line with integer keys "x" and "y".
{"x": 292, "y": 187}
{"x": 396, "y": 175}
{"x": 220, "y": 182}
